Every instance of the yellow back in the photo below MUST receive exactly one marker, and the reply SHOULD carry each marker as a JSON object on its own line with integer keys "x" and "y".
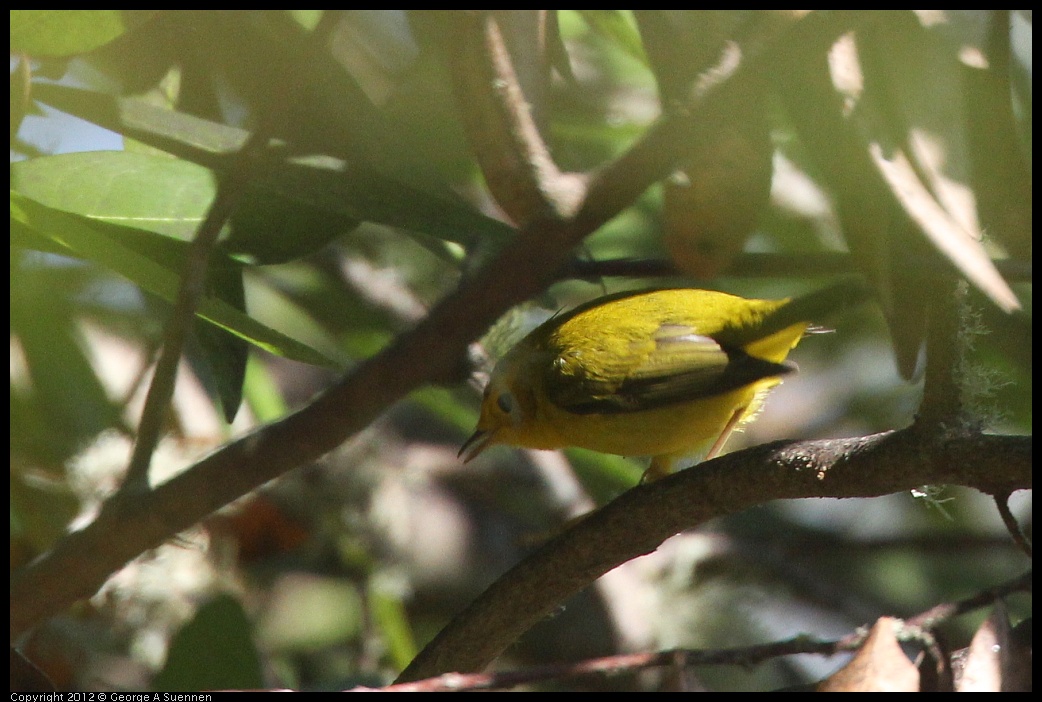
{"x": 591, "y": 355}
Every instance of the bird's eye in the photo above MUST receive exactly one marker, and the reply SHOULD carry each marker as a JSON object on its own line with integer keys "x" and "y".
{"x": 505, "y": 403}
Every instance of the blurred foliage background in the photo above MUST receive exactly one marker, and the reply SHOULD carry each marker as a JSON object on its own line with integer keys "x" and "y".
{"x": 369, "y": 208}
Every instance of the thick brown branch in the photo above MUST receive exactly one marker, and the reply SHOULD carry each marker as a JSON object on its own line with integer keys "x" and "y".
{"x": 638, "y": 521}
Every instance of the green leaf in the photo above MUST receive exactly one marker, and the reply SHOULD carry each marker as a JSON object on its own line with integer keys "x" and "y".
{"x": 40, "y": 510}
{"x": 311, "y": 612}
{"x": 308, "y": 19}
{"x": 917, "y": 141}
{"x": 58, "y": 33}
{"x": 262, "y": 392}
{"x": 214, "y": 651}
{"x": 618, "y": 26}
{"x": 40, "y": 227}
{"x": 308, "y": 188}
{"x": 389, "y": 614}
{"x": 154, "y": 193}
{"x": 224, "y": 354}
{"x": 64, "y": 404}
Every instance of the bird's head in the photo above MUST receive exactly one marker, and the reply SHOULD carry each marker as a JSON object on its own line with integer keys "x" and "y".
{"x": 509, "y": 405}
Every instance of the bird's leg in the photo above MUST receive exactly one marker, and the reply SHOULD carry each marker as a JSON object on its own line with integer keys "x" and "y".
{"x": 660, "y": 467}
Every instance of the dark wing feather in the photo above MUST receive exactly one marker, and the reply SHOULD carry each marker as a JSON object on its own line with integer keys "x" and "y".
{"x": 680, "y": 366}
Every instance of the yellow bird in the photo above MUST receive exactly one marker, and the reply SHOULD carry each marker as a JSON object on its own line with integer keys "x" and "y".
{"x": 666, "y": 373}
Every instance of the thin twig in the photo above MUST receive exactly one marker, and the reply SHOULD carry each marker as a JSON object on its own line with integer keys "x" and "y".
{"x": 918, "y": 628}
{"x": 1015, "y": 532}
{"x": 759, "y": 265}
{"x": 231, "y": 186}
{"x": 937, "y": 615}
{"x": 942, "y": 403}
{"x": 193, "y": 287}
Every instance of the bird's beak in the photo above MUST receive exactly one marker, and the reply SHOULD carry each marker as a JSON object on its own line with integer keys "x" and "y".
{"x": 478, "y": 442}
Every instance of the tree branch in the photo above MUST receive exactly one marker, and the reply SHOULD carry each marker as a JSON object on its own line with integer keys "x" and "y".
{"x": 639, "y": 520}
{"x": 766, "y": 265}
{"x": 744, "y": 656}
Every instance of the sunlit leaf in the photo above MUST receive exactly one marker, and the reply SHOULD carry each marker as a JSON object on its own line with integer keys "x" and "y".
{"x": 65, "y": 32}
{"x": 97, "y": 241}
{"x": 615, "y": 25}
{"x": 286, "y": 188}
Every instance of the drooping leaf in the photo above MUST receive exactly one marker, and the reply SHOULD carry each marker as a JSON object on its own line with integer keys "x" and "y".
{"x": 40, "y": 227}
{"x": 914, "y": 115}
{"x": 225, "y": 354}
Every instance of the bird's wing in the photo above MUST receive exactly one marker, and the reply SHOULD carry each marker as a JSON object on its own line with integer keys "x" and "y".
{"x": 674, "y": 365}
